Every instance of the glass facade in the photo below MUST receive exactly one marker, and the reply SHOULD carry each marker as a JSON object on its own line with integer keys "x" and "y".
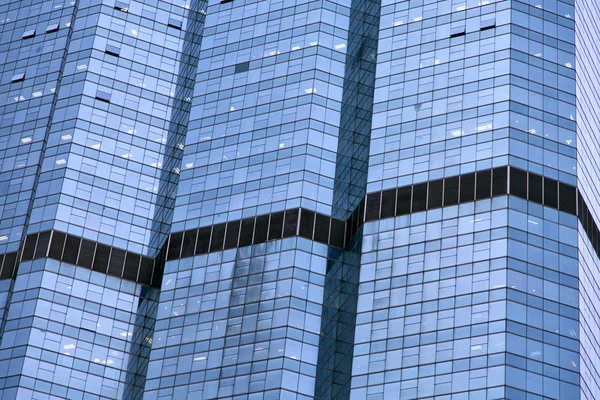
{"x": 341, "y": 199}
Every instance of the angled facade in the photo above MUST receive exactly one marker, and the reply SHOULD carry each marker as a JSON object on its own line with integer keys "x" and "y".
{"x": 237, "y": 199}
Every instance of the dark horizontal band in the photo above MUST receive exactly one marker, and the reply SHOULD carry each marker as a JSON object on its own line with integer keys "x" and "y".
{"x": 254, "y": 230}
{"x": 469, "y": 187}
{"x": 305, "y": 223}
{"x": 91, "y": 255}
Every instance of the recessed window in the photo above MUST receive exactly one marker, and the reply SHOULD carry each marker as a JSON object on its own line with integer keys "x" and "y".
{"x": 113, "y": 50}
{"x": 103, "y": 96}
{"x": 18, "y": 77}
{"x": 487, "y": 24}
{"x": 457, "y": 31}
{"x": 52, "y": 28}
{"x": 121, "y": 6}
{"x": 28, "y": 34}
{"x": 242, "y": 67}
{"x": 174, "y": 23}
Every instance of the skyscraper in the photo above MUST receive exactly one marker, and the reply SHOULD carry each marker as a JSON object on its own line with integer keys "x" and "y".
{"x": 244, "y": 199}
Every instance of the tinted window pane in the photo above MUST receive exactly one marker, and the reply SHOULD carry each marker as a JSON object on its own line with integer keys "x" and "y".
{"x": 145, "y": 274}
{"x": 218, "y": 237}
{"x": 71, "y": 249}
{"x": 233, "y": 234}
{"x": 419, "y": 200}
{"x": 500, "y": 181}
{"x": 189, "y": 243}
{"x": 550, "y": 192}
{"x": 451, "y": 191}
{"x": 322, "y": 228}
{"x": 261, "y": 229}
{"x": 518, "y": 183}
{"x": 535, "y": 188}
{"x": 388, "y": 203}
{"x": 373, "y": 203}
{"x": 86, "y": 253}
{"x": 567, "y": 197}
{"x": 336, "y": 237}
{"x": 434, "y": 199}
{"x": 246, "y": 232}
{"x": 306, "y": 223}
{"x": 467, "y": 188}
{"x": 484, "y": 184}
{"x": 42, "y": 245}
{"x": 291, "y": 223}
{"x": 8, "y": 266}
{"x": 203, "y": 240}
{"x": 56, "y": 245}
{"x": 175, "y": 246}
{"x": 403, "y": 201}
{"x": 29, "y": 249}
{"x": 132, "y": 264}
{"x": 276, "y": 225}
{"x": 101, "y": 258}
{"x": 117, "y": 260}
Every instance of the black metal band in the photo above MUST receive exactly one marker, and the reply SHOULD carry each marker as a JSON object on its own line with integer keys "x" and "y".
{"x": 305, "y": 223}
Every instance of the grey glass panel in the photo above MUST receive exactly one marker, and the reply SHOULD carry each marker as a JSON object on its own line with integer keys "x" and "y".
{"x": 535, "y": 188}
{"x": 117, "y": 260}
{"x": 52, "y": 27}
{"x": 42, "y": 245}
{"x": 550, "y": 192}
{"x": 86, "y": 253}
{"x": 145, "y": 274}
{"x": 291, "y": 223}
{"x": 29, "y": 249}
{"x": 500, "y": 181}
{"x": 403, "y": 201}
{"x": 261, "y": 229}
{"x": 246, "y": 232}
{"x": 388, "y": 203}
{"x": 56, "y": 245}
{"x": 203, "y": 240}
{"x": 451, "y": 191}
{"x": 419, "y": 198}
{"x": 518, "y": 183}
{"x": 101, "y": 258}
{"x": 242, "y": 67}
{"x": 484, "y": 184}
{"x": 467, "y": 188}
{"x": 232, "y": 235}
{"x": 132, "y": 265}
{"x": 189, "y": 243}
{"x": 322, "y": 228}
{"x": 434, "y": 197}
{"x": 276, "y": 225}
{"x": 306, "y": 223}
{"x": 218, "y": 237}
{"x": 373, "y": 204}
{"x": 175, "y": 246}
{"x": 71, "y": 250}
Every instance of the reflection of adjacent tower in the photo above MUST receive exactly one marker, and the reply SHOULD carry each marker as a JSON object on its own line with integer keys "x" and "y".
{"x": 343, "y": 269}
{"x": 274, "y": 109}
{"x": 178, "y": 124}
{"x": 466, "y": 291}
{"x": 165, "y": 200}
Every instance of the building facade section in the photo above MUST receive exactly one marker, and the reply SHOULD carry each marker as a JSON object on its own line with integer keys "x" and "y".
{"x": 99, "y": 93}
{"x": 478, "y": 299}
{"x": 362, "y": 199}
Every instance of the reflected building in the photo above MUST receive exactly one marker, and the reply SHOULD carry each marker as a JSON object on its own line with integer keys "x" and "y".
{"x": 360, "y": 199}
